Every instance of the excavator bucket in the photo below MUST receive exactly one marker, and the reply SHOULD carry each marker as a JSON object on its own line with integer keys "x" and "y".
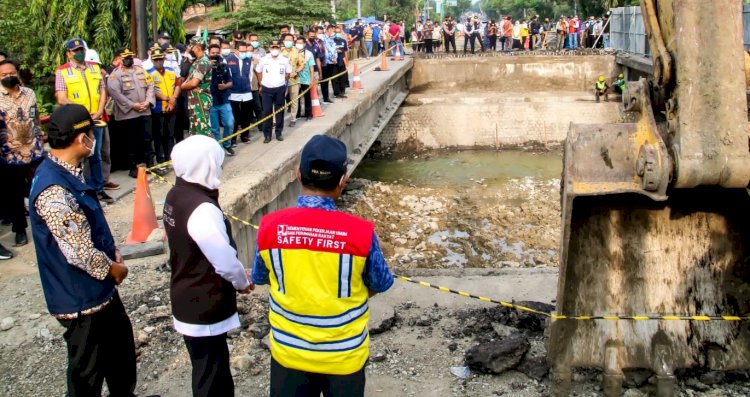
{"x": 650, "y": 254}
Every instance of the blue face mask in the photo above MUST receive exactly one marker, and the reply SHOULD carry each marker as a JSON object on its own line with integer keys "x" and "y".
{"x": 338, "y": 35}
{"x": 255, "y": 44}
{"x": 243, "y": 55}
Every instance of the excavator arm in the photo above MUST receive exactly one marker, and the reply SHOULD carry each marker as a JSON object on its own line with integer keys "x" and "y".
{"x": 656, "y": 215}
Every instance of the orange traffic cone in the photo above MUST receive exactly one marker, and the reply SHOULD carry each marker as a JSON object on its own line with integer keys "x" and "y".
{"x": 383, "y": 62}
{"x": 144, "y": 214}
{"x": 356, "y": 81}
{"x": 317, "y": 111}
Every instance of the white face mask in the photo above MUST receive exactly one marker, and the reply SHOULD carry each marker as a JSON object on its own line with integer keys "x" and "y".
{"x": 321, "y": 36}
{"x": 275, "y": 52}
{"x": 171, "y": 57}
{"x": 300, "y": 46}
{"x": 93, "y": 146}
{"x": 226, "y": 51}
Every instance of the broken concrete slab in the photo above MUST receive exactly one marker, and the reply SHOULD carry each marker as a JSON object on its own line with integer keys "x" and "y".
{"x": 135, "y": 251}
{"x": 498, "y": 356}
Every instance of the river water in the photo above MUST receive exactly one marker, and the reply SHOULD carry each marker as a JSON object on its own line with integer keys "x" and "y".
{"x": 462, "y": 168}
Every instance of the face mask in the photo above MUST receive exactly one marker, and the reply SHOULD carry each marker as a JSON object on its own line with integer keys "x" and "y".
{"x": 93, "y": 145}
{"x": 243, "y": 55}
{"x": 226, "y": 51}
{"x": 338, "y": 35}
{"x": 10, "y": 82}
{"x": 275, "y": 52}
{"x": 171, "y": 57}
{"x": 300, "y": 46}
{"x": 288, "y": 44}
{"x": 127, "y": 62}
{"x": 321, "y": 36}
{"x": 159, "y": 64}
{"x": 215, "y": 58}
{"x": 255, "y": 44}
{"x": 79, "y": 56}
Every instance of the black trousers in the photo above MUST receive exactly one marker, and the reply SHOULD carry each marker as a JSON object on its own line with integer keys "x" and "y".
{"x": 273, "y": 98}
{"x": 476, "y": 36}
{"x": 328, "y": 71}
{"x": 308, "y": 102}
{"x": 137, "y": 135}
{"x": 287, "y": 382}
{"x": 101, "y": 347}
{"x": 182, "y": 120}
{"x": 493, "y": 43}
{"x": 428, "y": 46}
{"x": 340, "y": 83}
{"x": 243, "y": 113}
{"x": 450, "y": 39}
{"x": 210, "y": 359}
{"x": 162, "y": 125}
{"x": 17, "y": 183}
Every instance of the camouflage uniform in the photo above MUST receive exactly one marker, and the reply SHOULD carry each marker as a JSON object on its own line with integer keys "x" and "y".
{"x": 199, "y": 99}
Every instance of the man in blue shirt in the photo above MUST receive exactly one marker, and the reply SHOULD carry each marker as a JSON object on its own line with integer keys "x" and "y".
{"x": 221, "y": 111}
{"x": 329, "y": 68}
{"x": 342, "y": 80}
{"x": 376, "y": 31}
{"x": 317, "y": 269}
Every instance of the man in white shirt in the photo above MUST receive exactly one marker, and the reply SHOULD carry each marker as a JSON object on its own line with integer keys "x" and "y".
{"x": 206, "y": 274}
{"x": 273, "y": 71}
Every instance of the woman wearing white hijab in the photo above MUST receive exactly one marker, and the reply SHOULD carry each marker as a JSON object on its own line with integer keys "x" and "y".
{"x": 206, "y": 274}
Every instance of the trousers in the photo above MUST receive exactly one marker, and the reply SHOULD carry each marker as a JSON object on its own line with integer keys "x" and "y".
{"x": 137, "y": 134}
{"x": 287, "y": 382}
{"x": 222, "y": 113}
{"x": 162, "y": 125}
{"x": 273, "y": 98}
{"x": 209, "y": 357}
{"x": 101, "y": 347}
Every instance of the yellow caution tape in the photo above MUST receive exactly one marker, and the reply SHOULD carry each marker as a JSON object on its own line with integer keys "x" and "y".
{"x": 555, "y": 316}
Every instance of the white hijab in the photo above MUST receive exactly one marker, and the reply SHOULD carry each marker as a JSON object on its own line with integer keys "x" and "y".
{"x": 198, "y": 159}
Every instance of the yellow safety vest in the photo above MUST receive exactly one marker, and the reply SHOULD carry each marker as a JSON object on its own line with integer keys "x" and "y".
{"x": 601, "y": 85}
{"x": 318, "y": 307}
{"x": 165, "y": 84}
{"x": 83, "y": 88}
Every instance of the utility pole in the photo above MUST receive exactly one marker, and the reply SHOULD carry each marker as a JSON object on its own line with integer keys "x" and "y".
{"x": 359, "y": 8}
{"x": 141, "y": 29}
{"x": 333, "y": 10}
{"x": 154, "y": 19}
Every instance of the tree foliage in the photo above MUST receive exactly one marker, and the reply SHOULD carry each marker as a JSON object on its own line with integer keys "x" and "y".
{"x": 551, "y": 8}
{"x": 265, "y": 16}
{"x": 43, "y": 26}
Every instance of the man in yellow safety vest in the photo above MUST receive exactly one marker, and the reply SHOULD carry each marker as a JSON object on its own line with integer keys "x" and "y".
{"x": 322, "y": 265}
{"x": 163, "y": 113}
{"x": 81, "y": 83}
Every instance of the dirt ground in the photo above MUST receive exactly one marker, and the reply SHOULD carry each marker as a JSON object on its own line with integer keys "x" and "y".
{"x": 417, "y": 349}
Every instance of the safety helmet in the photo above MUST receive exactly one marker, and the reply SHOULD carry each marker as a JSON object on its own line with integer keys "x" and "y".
{"x": 621, "y": 76}
{"x": 601, "y": 78}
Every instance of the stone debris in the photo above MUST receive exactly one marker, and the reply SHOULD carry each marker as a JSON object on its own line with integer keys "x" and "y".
{"x": 7, "y": 323}
{"x": 498, "y": 356}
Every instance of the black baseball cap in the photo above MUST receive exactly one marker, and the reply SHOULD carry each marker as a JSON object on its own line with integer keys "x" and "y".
{"x": 68, "y": 119}
{"x": 323, "y": 158}
{"x": 165, "y": 35}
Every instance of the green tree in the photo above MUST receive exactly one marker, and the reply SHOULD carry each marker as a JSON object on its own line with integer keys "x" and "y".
{"x": 103, "y": 24}
{"x": 265, "y": 16}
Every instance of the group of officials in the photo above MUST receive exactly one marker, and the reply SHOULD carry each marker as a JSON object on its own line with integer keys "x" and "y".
{"x": 321, "y": 265}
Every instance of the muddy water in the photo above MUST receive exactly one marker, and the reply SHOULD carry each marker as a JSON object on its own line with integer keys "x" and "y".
{"x": 463, "y": 168}
{"x": 462, "y": 209}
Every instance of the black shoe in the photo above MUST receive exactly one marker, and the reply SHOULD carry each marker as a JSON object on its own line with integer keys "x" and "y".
{"x": 266, "y": 140}
{"x": 293, "y": 123}
{"x": 309, "y": 118}
{"x": 327, "y": 101}
{"x": 104, "y": 197}
{"x": 161, "y": 171}
{"x": 5, "y": 253}
{"x": 133, "y": 173}
{"x": 278, "y": 138}
{"x": 229, "y": 150}
{"x": 21, "y": 239}
{"x": 234, "y": 144}
{"x": 343, "y": 96}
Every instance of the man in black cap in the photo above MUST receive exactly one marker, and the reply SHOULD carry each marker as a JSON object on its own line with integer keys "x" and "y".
{"x": 164, "y": 39}
{"x": 79, "y": 264}
{"x": 322, "y": 265}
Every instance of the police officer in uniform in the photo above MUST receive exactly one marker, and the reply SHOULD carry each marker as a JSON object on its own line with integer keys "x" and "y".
{"x": 322, "y": 265}
{"x": 132, "y": 89}
{"x": 166, "y": 92}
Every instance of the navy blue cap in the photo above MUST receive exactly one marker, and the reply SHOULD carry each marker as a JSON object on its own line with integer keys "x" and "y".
{"x": 323, "y": 158}
{"x": 72, "y": 44}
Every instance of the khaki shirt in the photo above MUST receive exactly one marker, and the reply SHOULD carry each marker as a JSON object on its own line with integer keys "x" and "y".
{"x": 128, "y": 87}
{"x": 297, "y": 60}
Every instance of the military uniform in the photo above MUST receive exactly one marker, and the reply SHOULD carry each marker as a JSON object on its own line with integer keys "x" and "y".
{"x": 199, "y": 98}
{"x": 127, "y": 87}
